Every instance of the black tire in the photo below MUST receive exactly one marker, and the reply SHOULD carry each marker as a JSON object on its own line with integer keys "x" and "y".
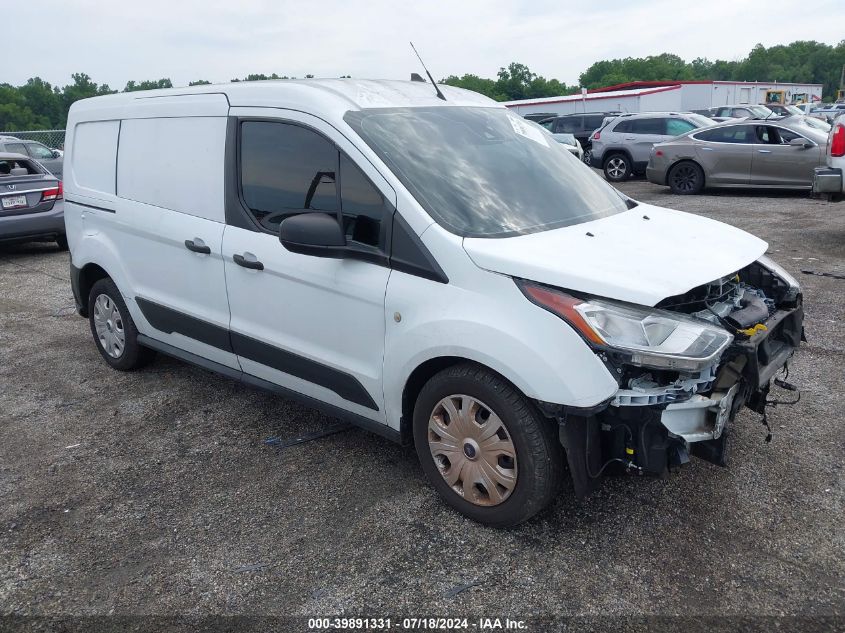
{"x": 538, "y": 455}
{"x": 617, "y": 167}
{"x": 61, "y": 240}
{"x": 685, "y": 178}
{"x": 132, "y": 355}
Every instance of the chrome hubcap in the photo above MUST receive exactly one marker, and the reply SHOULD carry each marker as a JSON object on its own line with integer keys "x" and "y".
{"x": 472, "y": 450}
{"x": 109, "y": 326}
{"x": 616, "y": 167}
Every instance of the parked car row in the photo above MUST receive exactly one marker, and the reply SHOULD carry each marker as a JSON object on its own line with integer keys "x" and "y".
{"x": 830, "y": 112}
{"x": 622, "y": 147}
{"x": 749, "y": 146}
{"x": 742, "y": 111}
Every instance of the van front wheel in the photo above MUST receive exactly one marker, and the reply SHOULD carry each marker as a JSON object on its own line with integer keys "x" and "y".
{"x": 484, "y": 447}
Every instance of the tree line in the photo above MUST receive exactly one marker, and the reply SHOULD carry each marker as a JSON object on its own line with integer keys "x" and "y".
{"x": 799, "y": 62}
{"x": 39, "y": 105}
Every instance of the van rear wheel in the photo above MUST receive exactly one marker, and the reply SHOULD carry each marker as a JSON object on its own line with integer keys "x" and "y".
{"x": 114, "y": 331}
{"x": 484, "y": 447}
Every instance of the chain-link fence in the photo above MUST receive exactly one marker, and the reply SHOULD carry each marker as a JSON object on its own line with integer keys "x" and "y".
{"x": 54, "y": 139}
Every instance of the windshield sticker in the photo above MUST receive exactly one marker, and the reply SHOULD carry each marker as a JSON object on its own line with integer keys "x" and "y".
{"x": 523, "y": 128}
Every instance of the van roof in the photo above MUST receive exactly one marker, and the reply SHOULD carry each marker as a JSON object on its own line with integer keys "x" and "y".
{"x": 316, "y": 96}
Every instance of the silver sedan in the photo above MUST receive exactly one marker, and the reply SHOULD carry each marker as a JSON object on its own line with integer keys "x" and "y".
{"x": 740, "y": 153}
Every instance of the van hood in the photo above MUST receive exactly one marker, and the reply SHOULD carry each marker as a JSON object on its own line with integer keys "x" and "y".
{"x": 641, "y": 256}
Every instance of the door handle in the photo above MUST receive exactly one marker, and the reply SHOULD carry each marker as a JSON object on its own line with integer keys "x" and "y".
{"x": 197, "y": 246}
{"x": 240, "y": 260}
{"x": 765, "y": 151}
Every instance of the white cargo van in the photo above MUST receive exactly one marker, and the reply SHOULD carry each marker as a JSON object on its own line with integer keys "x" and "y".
{"x": 437, "y": 270}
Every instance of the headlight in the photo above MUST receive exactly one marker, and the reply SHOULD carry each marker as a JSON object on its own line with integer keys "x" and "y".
{"x": 648, "y": 337}
{"x": 778, "y": 271}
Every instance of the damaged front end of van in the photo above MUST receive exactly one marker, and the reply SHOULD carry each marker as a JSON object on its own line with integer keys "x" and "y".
{"x": 684, "y": 368}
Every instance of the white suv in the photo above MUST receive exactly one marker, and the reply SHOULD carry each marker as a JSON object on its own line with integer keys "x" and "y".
{"x": 439, "y": 271}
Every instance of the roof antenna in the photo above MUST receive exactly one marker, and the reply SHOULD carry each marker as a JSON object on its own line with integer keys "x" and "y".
{"x": 434, "y": 83}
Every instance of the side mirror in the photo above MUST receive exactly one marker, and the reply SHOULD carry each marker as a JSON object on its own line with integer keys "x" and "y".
{"x": 801, "y": 142}
{"x": 312, "y": 233}
{"x": 55, "y": 153}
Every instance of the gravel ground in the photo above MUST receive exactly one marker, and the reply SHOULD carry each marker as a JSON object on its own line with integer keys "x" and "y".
{"x": 153, "y": 493}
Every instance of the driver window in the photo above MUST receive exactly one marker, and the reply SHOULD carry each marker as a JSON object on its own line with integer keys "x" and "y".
{"x": 286, "y": 169}
{"x": 764, "y": 134}
{"x": 787, "y": 135}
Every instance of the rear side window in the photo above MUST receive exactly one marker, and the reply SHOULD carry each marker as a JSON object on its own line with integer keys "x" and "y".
{"x": 729, "y": 134}
{"x": 647, "y": 126}
{"x": 39, "y": 152}
{"x": 592, "y": 122}
{"x": 570, "y": 125}
{"x": 674, "y": 127}
{"x": 623, "y": 126}
{"x": 288, "y": 169}
{"x": 16, "y": 148}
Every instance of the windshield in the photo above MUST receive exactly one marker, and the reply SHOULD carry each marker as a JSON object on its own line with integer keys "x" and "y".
{"x": 566, "y": 138}
{"x": 817, "y": 124}
{"x": 760, "y": 111}
{"x": 485, "y": 172}
{"x": 700, "y": 120}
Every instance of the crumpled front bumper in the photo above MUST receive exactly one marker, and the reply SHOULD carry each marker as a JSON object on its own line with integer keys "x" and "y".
{"x": 746, "y": 369}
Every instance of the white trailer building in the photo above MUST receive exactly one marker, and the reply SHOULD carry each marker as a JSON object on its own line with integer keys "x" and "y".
{"x": 669, "y": 96}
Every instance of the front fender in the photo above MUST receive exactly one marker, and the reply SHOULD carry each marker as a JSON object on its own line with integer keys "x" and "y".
{"x": 489, "y": 322}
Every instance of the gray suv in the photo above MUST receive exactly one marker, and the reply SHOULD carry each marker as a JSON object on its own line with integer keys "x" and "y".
{"x": 622, "y": 147}
{"x": 51, "y": 159}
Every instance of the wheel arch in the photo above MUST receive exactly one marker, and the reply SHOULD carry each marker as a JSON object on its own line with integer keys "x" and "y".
{"x": 424, "y": 372}
{"x": 89, "y": 274}
{"x": 610, "y": 151}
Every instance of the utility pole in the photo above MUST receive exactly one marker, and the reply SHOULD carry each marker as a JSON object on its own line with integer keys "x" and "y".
{"x": 841, "y": 93}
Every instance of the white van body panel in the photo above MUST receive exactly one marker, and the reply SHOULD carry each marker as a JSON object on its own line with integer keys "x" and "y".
{"x": 176, "y": 152}
{"x": 141, "y": 243}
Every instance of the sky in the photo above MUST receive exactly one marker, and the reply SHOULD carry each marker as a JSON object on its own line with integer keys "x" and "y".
{"x": 115, "y": 41}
